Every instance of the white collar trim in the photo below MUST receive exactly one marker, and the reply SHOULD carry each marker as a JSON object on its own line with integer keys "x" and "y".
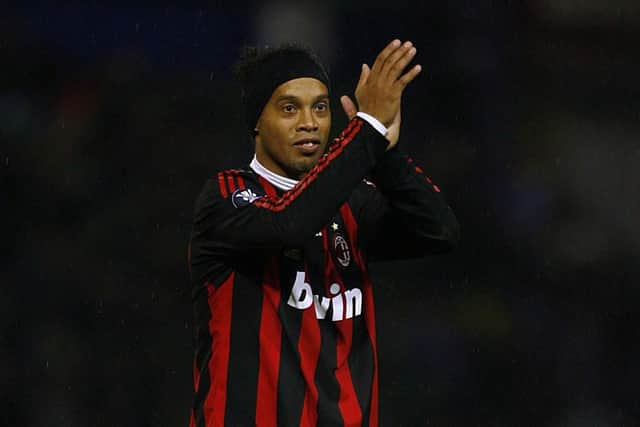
{"x": 282, "y": 182}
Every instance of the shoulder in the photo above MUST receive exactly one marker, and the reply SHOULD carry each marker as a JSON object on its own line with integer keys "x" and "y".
{"x": 229, "y": 187}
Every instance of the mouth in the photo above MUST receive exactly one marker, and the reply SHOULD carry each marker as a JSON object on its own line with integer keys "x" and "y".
{"x": 307, "y": 146}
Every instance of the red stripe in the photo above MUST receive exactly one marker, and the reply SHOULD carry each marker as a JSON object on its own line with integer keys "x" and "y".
{"x": 196, "y": 375}
{"x": 223, "y": 187}
{"x": 309, "y": 349}
{"x": 237, "y": 175}
{"x": 220, "y": 299}
{"x": 335, "y": 149}
{"x": 369, "y": 314}
{"x": 348, "y": 399}
{"x": 240, "y": 182}
{"x": 268, "y": 188}
{"x": 270, "y": 335}
{"x": 232, "y": 184}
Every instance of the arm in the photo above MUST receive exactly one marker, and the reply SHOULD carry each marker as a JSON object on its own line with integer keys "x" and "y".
{"x": 290, "y": 220}
{"x": 220, "y": 230}
{"x": 407, "y": 217}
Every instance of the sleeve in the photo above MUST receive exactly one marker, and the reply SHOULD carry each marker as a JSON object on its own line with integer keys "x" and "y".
{"x": 406, "y": 216}
{"x": 222, "y": 230}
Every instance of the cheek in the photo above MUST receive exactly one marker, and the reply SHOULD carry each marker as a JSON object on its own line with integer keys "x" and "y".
{"x": 277, "y": 134}
{"x": 325, "y": 123}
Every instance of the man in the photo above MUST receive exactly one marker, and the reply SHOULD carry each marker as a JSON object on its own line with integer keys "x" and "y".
{"x": 283, "y": 301}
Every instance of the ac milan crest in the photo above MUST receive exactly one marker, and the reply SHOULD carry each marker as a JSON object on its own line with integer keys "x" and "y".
{"x": 341, "y": 250}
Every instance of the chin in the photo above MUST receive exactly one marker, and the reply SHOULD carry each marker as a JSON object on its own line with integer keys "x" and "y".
{"x": 303, "y": 167}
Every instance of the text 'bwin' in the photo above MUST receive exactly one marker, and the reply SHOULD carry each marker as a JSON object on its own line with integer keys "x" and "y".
{"x": 343, "y": 305}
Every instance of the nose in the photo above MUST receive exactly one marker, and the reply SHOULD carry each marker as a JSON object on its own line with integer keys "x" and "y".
{"x": 307, "y": 121}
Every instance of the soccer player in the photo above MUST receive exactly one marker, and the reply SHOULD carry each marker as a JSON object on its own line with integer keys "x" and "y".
{"x": 285, "y": 325}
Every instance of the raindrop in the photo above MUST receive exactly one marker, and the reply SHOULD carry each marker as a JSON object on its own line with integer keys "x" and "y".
{"x": 211, "y": 75}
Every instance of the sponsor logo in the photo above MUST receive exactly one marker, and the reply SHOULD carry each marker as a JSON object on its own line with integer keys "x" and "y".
{"x": 343, "y": 305}
{"x": 341, "y": 250}
{"x": 241, "y": 198}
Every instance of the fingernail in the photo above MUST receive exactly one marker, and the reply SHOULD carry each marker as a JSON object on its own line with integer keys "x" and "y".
{"x": 396, "y": 43}
{"x": 413, "y": 51}
{"x": 407, "y": 44}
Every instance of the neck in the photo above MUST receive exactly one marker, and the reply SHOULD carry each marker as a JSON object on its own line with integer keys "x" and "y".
{"x": 279, "y": 181}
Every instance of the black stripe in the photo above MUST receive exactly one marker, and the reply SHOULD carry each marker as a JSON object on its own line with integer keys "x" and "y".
{"x": 361, "y": 365}
{"x": 242, "y": 379}
{"x": 291, "y": 386}
{"x": 328, "y": 388}
{"x": 203, "y": 354}
{"x": 325, "y": 379}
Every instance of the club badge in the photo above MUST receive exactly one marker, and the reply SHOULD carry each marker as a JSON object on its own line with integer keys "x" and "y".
{"x": 341, "y": 250}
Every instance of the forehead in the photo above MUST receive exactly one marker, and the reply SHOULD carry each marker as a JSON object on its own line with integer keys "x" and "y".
{"x": 304, "y": 87}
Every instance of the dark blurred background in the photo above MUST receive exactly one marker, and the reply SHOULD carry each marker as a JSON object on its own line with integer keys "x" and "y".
{"x": 527, "y": 115}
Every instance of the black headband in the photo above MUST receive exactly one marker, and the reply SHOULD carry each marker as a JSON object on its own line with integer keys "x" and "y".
{"x": 273, "y": 70}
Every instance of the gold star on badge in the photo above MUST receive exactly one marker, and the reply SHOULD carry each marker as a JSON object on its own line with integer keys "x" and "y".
{"x": 334, "y": 226}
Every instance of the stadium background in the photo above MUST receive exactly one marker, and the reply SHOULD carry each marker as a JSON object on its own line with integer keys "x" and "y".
{"x": 112, "y": 115}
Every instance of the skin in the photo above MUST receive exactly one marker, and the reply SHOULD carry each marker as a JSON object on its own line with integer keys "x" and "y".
{"x": 299, "y": 110}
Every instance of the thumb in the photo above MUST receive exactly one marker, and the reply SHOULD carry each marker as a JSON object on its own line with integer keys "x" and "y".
{"x": 364, "y": 75}
{"x": 348, "y": 106}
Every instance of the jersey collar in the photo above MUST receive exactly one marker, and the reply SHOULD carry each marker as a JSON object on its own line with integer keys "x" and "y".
{"x": 279, "y": 181}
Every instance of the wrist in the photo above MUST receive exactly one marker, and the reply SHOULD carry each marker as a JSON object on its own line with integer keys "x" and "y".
{"x": 377, "y": 125}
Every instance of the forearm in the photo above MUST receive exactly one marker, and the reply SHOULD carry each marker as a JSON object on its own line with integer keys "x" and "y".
{"x": 415, "y": 201}
{"x": 289, "y": 220}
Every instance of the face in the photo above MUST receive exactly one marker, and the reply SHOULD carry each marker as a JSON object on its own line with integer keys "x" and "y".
{"x": 293, "y": 128}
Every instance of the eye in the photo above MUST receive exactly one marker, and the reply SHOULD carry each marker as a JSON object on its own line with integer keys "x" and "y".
{"x": 289, "y": 108}
{"x": 322, "y": 107}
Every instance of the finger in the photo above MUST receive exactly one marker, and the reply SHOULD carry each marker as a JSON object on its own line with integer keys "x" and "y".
{"x": 398, "y": 67}
{"x": 382, "y": 56}
{"x": 364, "y": 75}
{"x": 348, "y": 106}
{"x": 395, "y": 56}
{"x": 409, "y": 76}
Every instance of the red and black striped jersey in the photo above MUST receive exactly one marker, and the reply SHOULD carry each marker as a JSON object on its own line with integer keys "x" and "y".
{"x": 284, "y": 312}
